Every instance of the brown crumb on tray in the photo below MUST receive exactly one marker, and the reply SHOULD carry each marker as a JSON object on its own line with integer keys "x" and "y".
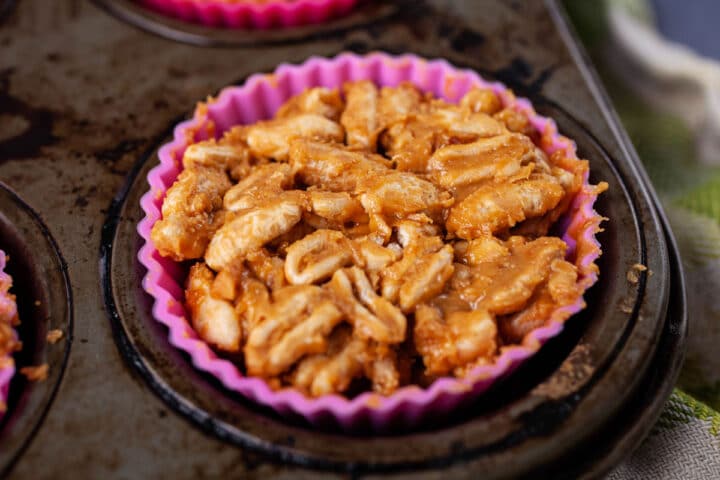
{"x": 37, "y": 303}
{"x": 633, "y": 275}
{"x": 35, "y": 374}
{"x": 54, "y": 336}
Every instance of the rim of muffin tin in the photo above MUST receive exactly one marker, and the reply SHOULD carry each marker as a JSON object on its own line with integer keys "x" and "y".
{"x": 624, "y": 354}
{"x": 363, "y": 14}
{"x": 39, "y": 275}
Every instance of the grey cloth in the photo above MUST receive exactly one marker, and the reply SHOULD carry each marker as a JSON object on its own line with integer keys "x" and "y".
{"x": 684, "y": 445}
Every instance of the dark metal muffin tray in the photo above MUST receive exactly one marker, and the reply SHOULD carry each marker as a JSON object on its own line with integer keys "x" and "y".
{"x": 100, "y": 96}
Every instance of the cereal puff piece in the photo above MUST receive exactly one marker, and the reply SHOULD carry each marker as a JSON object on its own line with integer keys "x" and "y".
{"x": 495, "y": 207}
{"x": 214, "y": 319}
{"x": 262, "y": 185}
{"x": 271, "y": 138}
{"x": 483, "y": 249}
{"x": 346, "y": 359}
{"x": 374, "y": 258}
{"x": 317, "y": 256}
{"x": 372, "y": 316}
{"x": 360, "y": 116}
{"x": 333, "y": 167}
{"x": 560, "y": 288}
{"x": 481, "y": 100}
{"x": 420, "y": 244}
{"x": 231, "y": 156}
{"x": 296, "y": 323}
{"x": 570, "y": 173}
{"x": 267, "y": 268}
{"x": 496, "y": 158}
{"x": 411, "y": 141}
{"x": 455, "y": 124}
{"x": 252, "y": 301}
{"x": 382, "y": 368}
{"x": 334, "y": 370}
{"x": 448, "y": 343}
{"x": 398, "y": 103}
{"x": 319, "y": 101}
{"x": 426, "y": 278}
{"x": 399, "y": 194}
{"x": 516, "y": 121}
{"x": 505, "y": 284}
{"x": 192, "y": 212}
{"x": 251, "y": 229}
{"x": 337, "y": 208}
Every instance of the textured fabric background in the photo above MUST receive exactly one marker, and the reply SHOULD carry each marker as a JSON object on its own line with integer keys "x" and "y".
{"x": 685, "y": 443}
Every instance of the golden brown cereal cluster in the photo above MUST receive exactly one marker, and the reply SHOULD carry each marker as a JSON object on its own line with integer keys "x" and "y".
{"x": 371, "y": 238}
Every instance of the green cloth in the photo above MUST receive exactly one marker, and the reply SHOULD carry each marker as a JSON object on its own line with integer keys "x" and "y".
{"x": 685, "y": 443}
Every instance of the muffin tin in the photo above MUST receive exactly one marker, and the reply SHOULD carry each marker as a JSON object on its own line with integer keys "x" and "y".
{"x": 44, "y": 303}
{"x": 575, "y": 409}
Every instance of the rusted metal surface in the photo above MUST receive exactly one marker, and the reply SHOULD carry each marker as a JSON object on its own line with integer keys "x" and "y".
{"x": 86, "y": 98}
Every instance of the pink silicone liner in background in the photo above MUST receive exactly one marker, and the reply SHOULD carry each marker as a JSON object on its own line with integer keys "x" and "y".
{"x": 259, "y": 98}
{"x": 252, "y": 15}
{"x": 6, "y": 304}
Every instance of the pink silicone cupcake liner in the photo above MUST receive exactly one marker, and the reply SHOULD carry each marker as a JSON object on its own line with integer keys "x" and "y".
{"x": 258, "y": 99}
{"x": 8, "y": 308}
{"x": 252, "y": 14}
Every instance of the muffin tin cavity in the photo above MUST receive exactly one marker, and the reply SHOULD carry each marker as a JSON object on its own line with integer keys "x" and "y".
{"x": 579, "y": 380}
{"x": 133, "y": 12}
{"x": 42, "y": 287}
